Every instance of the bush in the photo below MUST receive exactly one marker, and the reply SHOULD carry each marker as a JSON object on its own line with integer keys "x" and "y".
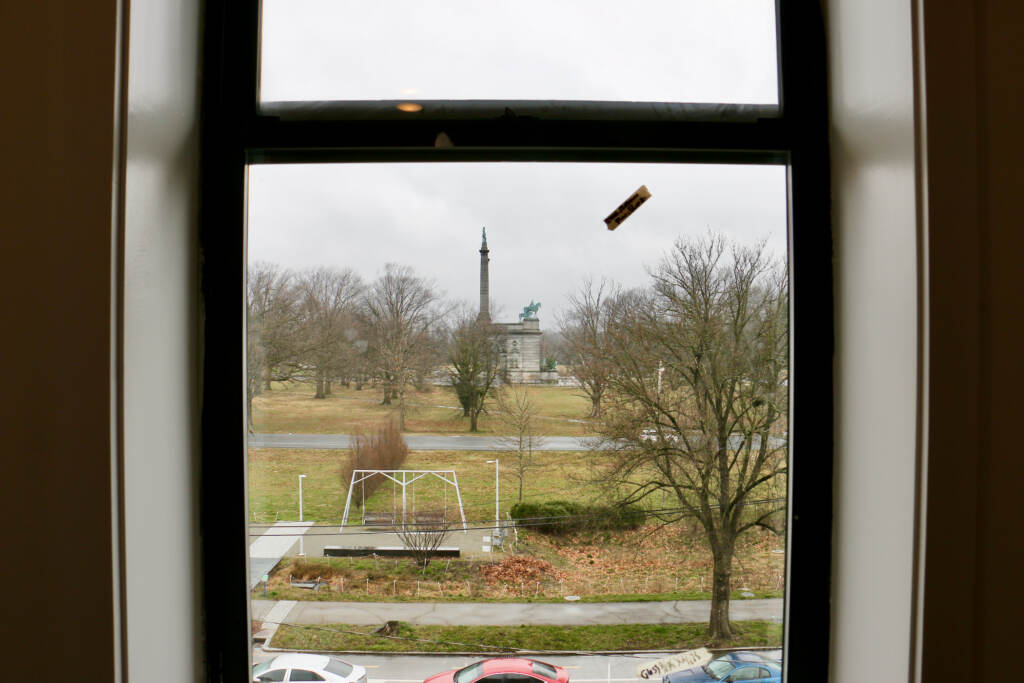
{"x": 563, "y": 517}
{"x": 384, "y": 449}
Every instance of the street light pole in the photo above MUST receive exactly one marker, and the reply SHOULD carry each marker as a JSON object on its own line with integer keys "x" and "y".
{"x": 497, "y": 514}
{"x": 302, "y": 545}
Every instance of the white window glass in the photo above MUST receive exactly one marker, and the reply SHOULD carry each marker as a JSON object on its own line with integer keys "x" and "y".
{"x": 590, "y": 50}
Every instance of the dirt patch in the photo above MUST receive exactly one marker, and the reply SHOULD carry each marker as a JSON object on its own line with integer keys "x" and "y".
{"x": 655, "y": 559}
{"x": 519, "y": 569}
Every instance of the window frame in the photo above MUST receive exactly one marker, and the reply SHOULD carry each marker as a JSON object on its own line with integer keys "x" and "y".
{"x": 235, "y": 132}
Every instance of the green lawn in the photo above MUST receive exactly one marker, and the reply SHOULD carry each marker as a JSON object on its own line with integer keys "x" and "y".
{"x": 273, "y": 483}
{"x": 349, "y": 638}
{"x": 291, "y": 408}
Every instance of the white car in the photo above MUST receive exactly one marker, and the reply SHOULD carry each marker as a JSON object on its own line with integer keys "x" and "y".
{"x": 652, "y": 436}
{"x": 302, "y": 667}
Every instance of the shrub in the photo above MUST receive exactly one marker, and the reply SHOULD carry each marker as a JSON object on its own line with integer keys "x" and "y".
{"x": 559, "y": 517}
{"x": 383, "y": 449}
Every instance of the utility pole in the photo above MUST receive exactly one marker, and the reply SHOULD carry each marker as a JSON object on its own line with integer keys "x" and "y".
{"x": 497, "y": 513}
{"x": 302, "y": 545}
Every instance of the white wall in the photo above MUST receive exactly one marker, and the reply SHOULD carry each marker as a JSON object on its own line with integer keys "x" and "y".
{"x": 160, "y": 343}
{"x": 875, "y": 227}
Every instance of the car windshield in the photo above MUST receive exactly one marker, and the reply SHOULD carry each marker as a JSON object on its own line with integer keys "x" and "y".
{"x": 469, "y": 673}
{"x": 718, "y": 669}
{"x": 544, "y": 669}
{"x": 339, "y": 667}
{"x": 260, "y": 668}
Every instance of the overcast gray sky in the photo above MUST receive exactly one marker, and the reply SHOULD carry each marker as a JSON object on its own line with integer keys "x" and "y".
{"x": 544, "y": 221}
{"x": 643, "y": 50}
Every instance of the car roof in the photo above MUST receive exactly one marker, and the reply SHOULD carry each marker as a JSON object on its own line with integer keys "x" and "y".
{"x": 299, "y": 660}
{"x": 513, "y": 665}
{"x": 744, "y": 656}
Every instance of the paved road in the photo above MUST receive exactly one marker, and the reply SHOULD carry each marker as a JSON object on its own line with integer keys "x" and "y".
{"x": 417, "y": 442}
{"x": 596, "y": 668}
{"x": 437, "y": 442}
{"x": 512, "y": 614}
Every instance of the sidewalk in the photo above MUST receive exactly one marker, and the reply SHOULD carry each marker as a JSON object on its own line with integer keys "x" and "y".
{"x": 511, "y": 614}
{"x": 266, "y": 550}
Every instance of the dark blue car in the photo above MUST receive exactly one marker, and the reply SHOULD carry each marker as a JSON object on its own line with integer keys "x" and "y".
{"x": 732, "y": 666}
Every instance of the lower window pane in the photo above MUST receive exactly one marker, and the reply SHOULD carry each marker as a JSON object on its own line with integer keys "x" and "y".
{"x": 497, "y": 407}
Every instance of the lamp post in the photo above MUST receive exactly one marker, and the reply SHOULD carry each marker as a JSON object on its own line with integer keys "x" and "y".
{"x": 497, "y": 514}
{"x": 302, "y": 545}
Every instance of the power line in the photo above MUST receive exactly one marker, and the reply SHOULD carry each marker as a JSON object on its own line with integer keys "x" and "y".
{"x": 523, "y": 522}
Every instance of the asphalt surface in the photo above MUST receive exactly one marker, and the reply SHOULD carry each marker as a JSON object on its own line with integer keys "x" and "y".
{"x": 513, "y": 614}
{"x": 420, "y": 442}
{"x": 442, "y": 442}
{"x": 594, "y": 668}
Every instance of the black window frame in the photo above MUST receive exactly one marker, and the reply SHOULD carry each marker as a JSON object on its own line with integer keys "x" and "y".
{"x": 236, "y": 131}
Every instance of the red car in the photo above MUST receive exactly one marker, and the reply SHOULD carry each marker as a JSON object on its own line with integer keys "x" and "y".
{"x": 504, "y": 670}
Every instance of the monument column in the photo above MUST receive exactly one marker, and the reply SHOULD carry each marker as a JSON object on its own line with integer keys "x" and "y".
{"x": 485, "y": 286}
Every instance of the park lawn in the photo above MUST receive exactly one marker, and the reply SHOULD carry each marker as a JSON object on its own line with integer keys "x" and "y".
{"x": 273, "y": 483}
{"x": 420, "y": 638}
{"x": 291, "y": 409}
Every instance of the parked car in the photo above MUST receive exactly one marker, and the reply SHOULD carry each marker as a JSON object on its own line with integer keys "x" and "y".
{"x": 653, "y": 436}
{"x": 504, "y": 670}
{"x": 302, "y": 667}
{"x": 741, "y": 665}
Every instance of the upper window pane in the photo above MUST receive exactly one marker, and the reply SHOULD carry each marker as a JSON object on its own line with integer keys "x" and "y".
{"x": 583, "y": 50}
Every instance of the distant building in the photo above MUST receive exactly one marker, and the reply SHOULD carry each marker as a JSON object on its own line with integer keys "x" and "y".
{"x": 521, "y": 340}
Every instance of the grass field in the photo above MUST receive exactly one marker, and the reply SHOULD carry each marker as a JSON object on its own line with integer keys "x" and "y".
{"x": 349, "y": 638}
{"x": 291, "y": 408}
{"x": 273, "y": 483}
{"x": 666, "y": 561}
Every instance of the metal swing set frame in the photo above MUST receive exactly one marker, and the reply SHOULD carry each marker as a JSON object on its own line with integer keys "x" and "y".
{"x": 402, "y": 478}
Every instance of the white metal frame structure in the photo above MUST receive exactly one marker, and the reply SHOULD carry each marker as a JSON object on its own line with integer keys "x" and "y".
{"x": 401, "y": 478}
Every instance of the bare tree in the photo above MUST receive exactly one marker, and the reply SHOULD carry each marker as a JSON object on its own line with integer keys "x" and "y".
{"x": 474, "y": 350}
{"x": 327, "y": 299}
{"x": 402, "y": 311}
{"x": 272, "y": 329}
{"x": 584, "y": 333}
{"x": 698, "y": 397}
{"x": 518, "y": 415}
{"x": 424, "y": 538}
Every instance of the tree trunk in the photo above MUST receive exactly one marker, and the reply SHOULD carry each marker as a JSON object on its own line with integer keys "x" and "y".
{"x": 595, "y": 410}
{"x": 387, "y": 395}
{"x": 473, "y": 415}
{"x": 401, "y": 411}
{"x": 266, "y": 385}
{"x": 718, "y": 624}
{"x": 319, "y": 387}
{"x": 327, "y": 387}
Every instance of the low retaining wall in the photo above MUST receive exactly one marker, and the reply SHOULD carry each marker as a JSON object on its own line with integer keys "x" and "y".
{"x": 384, "y": 551}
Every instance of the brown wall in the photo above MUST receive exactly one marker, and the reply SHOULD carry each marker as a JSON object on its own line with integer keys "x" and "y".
{"x": 58, "y": 141}
{"x": 974, "y": 107}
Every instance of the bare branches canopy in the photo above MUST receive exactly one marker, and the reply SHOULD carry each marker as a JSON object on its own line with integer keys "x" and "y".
{"x": 697, "y": 394}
